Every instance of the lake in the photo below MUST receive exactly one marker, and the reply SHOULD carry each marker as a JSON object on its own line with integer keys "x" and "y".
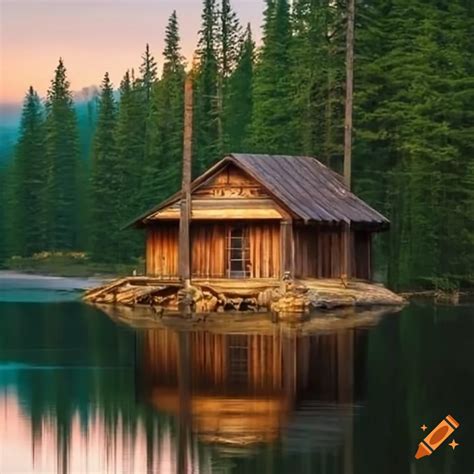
{"x": 80, "y": 393}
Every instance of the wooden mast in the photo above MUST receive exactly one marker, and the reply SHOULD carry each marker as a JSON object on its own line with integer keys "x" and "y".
{"x": 346, "y": 231}
{"x": 185, "y": 217}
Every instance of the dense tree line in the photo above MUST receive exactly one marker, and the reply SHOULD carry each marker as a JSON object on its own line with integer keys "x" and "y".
{"x": 413, "y": 118}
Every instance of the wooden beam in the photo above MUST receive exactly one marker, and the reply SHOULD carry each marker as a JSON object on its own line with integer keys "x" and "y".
{"x": 345, "y": 252}
{"x": 287, "y": 248}
{"x": 185, "y": 218}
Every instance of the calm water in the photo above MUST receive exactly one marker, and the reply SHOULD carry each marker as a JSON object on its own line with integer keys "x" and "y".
{"x": 82, "y": 394}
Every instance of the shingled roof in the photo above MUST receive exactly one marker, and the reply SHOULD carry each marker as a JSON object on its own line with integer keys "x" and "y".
{"x": 307, "y": 188}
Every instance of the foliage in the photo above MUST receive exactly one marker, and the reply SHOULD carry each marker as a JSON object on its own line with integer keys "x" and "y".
{"x": 130, "y": 163}
{"x": 239, "y": 99}
{"x": 272, "y": 121}
{"x": 207, "y": 121}
{"x": 414, "y": 106}
{"x": 29, "y": 170}
{"x": 166, "y": 123}
{"x": 104, "y": 225}
{"x": 413, "y": 127}
{"x": 62, "y": 164}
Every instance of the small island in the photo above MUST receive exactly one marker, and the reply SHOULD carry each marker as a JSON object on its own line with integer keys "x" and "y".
{"x": 266, "y": 233}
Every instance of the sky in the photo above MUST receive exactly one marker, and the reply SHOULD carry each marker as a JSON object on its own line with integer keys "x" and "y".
{"x": 92, "y": 37}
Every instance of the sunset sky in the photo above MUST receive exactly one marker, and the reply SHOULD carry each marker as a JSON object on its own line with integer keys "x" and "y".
{"x": 92, "y": 36}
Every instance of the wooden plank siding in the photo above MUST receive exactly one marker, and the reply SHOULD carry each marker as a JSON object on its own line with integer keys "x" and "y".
{"x": 209, "y": 241}
{"x": 162, "y": 250}
{"x": 232, "y": 194}
{"x": 208, "y": 249}
{"x": 319, "y": 252}
{"x": 265, "y": 250}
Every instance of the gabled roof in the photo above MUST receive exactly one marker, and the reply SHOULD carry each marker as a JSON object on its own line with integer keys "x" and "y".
{"x": 304, "y": 186}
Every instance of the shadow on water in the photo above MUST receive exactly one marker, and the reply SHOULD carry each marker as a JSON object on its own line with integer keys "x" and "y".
{"x": 80, "y": 393}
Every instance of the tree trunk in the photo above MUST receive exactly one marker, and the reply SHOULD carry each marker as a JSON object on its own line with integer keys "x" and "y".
{"x": 184, "y": 223}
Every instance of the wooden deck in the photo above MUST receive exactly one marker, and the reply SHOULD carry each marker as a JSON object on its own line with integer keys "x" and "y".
{"x": 257, "y": 295}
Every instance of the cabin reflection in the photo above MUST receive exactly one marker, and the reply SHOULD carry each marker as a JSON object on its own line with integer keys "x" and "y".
{"x": 241, "y": 391}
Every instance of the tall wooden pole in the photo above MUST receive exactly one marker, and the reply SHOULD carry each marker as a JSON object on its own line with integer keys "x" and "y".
{"x": 349, "y": 92}
{"x": 346, "y": 231}
{"x": 184, "y": 223}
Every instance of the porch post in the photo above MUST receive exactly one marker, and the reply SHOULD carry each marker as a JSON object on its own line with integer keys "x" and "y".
{"x": 185, "y": 218}
{"x": 346, "y": 251}
{"x": 287, "y": 248}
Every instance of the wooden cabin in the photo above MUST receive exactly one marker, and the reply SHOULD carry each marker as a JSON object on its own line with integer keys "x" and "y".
{"x": 261, "y": 216}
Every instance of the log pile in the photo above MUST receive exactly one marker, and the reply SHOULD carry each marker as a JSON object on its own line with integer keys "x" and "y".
{"x": 216, "y": 296}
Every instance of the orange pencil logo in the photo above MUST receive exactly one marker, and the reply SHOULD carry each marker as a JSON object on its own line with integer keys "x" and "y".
{"x": 437, "y": 437}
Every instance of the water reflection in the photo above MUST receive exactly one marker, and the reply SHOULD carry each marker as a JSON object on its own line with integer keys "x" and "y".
{"x": 80, "y": 393}
{"x": 238, "y": 393}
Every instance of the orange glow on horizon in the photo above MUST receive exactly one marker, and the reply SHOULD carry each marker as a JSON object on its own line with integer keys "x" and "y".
{"x": 92, "y": 38}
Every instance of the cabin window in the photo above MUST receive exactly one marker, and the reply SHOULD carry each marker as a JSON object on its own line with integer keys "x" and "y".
{"x": 238, "y": 253}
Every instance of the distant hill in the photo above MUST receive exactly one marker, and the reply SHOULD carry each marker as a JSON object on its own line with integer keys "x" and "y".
{"x": 9, "y": 120}
{"x": 8, "y": 136}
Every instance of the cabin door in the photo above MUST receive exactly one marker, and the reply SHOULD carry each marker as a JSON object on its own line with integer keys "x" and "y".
{"x": 238, "y": 252}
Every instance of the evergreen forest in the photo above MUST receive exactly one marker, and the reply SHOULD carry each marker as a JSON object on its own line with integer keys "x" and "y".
{"x": 413, "y": 141}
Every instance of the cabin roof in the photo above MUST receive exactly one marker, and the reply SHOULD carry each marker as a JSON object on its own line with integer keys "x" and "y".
{"x": 308, "y": 189}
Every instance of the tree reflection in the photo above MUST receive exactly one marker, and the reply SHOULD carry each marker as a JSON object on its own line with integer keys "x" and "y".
{"x": 93, "y": 396}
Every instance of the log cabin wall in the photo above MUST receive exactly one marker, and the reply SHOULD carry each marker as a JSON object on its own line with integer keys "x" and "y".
{"x": 318, "y": 250}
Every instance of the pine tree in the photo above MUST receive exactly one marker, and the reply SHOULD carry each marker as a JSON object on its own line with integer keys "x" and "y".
{"x": 148, "y": 73}
{"x": 229, "y": 36}
{"x": 229, "y": 46}
{"x": 409, "y": 142}
{"x": 317, "y": 79}
{"x": 238, "y": 106}
{"x": 208, "y": 136}
{"x": 166, "y": 122}
{"x": 130, "y": 164}
{"x": 62, "y": 203}
{"x": 29, "y": 180}
{"x": 142, "y": 93}
{"x": 271, "y": 129}
{"x": 104, "y": 228}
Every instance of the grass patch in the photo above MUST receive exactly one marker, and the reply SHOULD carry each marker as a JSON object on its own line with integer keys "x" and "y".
{"x": 71, "y": 264}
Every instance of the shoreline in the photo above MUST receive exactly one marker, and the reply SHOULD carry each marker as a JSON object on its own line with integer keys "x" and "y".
{"x": 15, "y": 280}
{"x": 93, "y": 279}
